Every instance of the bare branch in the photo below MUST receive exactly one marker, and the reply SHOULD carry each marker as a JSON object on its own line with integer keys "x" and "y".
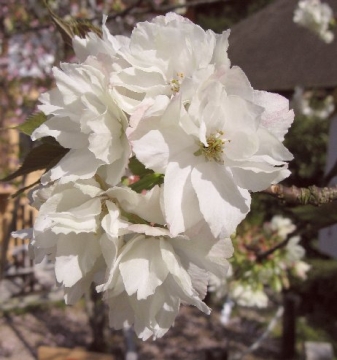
{"x": 312, "y": 195}
{"x": 263, "y": 255}
{"x": 124, "y": 12}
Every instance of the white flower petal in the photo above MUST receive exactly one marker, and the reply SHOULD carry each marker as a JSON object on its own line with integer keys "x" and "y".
{"x": 181, "y": 203}
{"x": 76, "y": 164}
{"x": 75, "y": 256}
{"x": 143, "y": 273}
{"x": 277, "y": 117}
{"x": 222, "y": 203}
{"x": 145, "y": 206}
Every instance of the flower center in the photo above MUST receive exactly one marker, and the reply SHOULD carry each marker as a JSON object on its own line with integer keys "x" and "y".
{"x": 175, "y": 83}
{"x": 214, "y": 149}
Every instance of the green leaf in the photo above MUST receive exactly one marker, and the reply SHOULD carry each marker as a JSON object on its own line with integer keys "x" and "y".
{"x": 147, "y": 182}
{"x": 138, "y": 168}
{"x": 41, "y": 157}
{"x": 32, "y": 123}
{"x": 318, "y": 216}
{"x": 23, "y": 189}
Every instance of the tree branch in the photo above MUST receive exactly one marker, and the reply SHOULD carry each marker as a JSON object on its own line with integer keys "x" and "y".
{"x": 312, "y": 195}
{"x": 263, "y": 255}
{"x": 170, "y": 7}
{"x": 122, "y": 13}
{"x": 260, "y": 256}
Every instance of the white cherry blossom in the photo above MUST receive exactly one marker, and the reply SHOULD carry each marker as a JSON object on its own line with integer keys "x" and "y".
{"x": 84, "y": 117}
{"x": 168, "y": 92}
{"x": 308, "y": 104}
{"x": 76, "y": 224}
{"x": 87, "y": 232}
{"x": 154, "y": 274}
{"x": 317, "y": 17}
{"x": 283, "y": 226}
{"x": 214, "y": 149}
{"x": 161, "y": 54}
{"x": 68, "y": 229}
{"x": 247, "y": 295}
{"x": 104, "y": 47}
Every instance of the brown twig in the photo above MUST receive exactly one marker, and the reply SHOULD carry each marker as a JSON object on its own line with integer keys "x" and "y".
{"x": 312, "y": 195}
{"x": 263, "y": 255}
{"x": 300, "y": 229}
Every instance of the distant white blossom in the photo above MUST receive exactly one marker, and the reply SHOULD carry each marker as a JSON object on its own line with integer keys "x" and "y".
{"x": 306, "y": 103}
{"x": 317, "y": 17}
{"x": 246, "y": 295}
{"x": 247, "y": 279}
{"x": 236, "y": 292}
{"x": 294, "y": 250}
{"x": 294, "y": 258}
{"x": 301, "y": 268}
{"x": 32, "y": 54}
{"x": 219, "y": 286}
{"x": 281, "y": 225}
{"x": 180, "y": 10}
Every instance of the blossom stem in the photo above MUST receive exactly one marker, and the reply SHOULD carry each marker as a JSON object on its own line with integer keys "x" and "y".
{"x": 263, "y": 255}
{"x": 260, "y": 256}
{"x": 312, "y": 195}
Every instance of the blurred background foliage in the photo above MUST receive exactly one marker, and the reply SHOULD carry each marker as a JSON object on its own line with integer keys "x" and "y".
{"x": 224, "y": 15}
{"x": 30, "y": 46}
{"x": 307, "y": 140}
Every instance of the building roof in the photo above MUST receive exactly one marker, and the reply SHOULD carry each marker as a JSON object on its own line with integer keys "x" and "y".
{"x": 277, "y": 54}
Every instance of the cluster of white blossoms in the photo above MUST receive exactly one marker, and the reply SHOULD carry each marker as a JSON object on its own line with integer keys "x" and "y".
{"x": 237, "y": 292}
{"x": 247, "y": 280}
{"x": 317, "y": 17}
{"x": 169, "y": 97}
{"x": 294, "y": 252}
{"x": 281, "y": 225}
{"x": 306, "y": 103}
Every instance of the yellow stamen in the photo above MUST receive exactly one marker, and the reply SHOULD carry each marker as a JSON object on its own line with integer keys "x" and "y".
{"x": 214, "y": 149}
{"x": 175, "y": 83}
